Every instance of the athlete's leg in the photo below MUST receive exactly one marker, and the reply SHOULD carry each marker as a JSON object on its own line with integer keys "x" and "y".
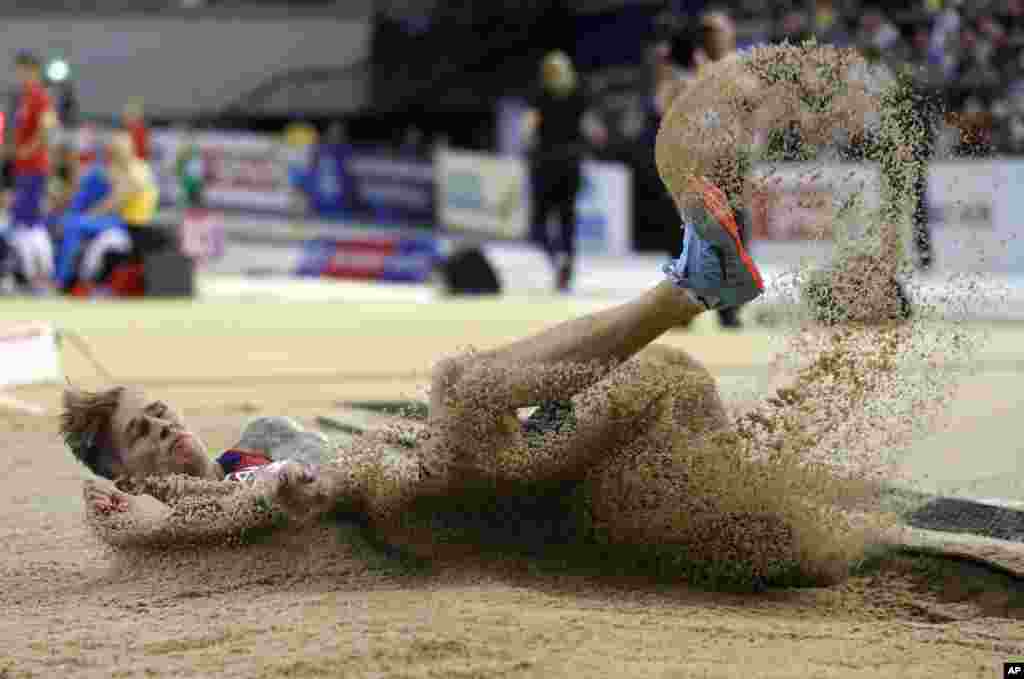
{"x": 473, "y": 399}
{"x": 533, "y": 369}
{"x": 713, "y": 271}
{"x": 611, "y": 335}
{"x": 659, "y": 387}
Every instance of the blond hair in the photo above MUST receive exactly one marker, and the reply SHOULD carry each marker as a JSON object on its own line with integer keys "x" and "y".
{"x": 126, "y": 167}
{"x": 558, "y": 73}
{"x": 85, "y": 427}
{"x": 122, "y": 149}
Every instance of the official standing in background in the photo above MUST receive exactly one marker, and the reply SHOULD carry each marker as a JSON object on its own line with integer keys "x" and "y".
{"x": 560, "y": 126}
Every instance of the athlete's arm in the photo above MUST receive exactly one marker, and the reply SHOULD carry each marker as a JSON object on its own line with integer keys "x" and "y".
{"x": 141, "y": 520}
{"x": 217, "y": 511}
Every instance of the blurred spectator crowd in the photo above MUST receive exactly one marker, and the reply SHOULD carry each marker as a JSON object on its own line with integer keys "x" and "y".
{"x": 77, "y": 202}
{"x": 970, "y": 53}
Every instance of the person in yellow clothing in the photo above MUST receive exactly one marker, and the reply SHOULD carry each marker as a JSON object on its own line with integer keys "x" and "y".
{"x": 131, "y": 202}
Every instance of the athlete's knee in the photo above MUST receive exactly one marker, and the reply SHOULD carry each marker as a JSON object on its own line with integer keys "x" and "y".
{"x": 444, "y": 379}
{"x": 690, "y": 385}
{"x": 671, "y": 359}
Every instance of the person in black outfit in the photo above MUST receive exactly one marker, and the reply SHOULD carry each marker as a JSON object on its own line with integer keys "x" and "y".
{"x": 556, "y": 121}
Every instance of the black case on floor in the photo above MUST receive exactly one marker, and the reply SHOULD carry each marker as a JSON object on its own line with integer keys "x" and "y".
{"x": 467, "y": 272}
{"x": 168, "y": 273}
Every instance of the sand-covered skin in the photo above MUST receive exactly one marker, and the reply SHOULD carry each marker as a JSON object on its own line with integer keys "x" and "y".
{"x": 788, "y": 486}
{"x": 316, "y": 609}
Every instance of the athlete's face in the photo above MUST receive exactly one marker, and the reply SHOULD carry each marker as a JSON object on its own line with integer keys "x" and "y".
{"x": 152, "y": 439}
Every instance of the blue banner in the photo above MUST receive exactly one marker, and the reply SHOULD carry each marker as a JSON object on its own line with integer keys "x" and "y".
{"x": 371, "y": 185}
{"x": 396, "y": 259}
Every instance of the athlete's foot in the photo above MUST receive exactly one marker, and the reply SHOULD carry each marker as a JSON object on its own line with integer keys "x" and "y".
{"x": 301, "y": 490}
{"x": 714, "y": 265}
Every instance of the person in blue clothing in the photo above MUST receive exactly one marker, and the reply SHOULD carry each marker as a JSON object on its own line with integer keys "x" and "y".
{"x": 325, "y": 179}
{"x": 93, "y": 187}
{"x": 131, "y": 200}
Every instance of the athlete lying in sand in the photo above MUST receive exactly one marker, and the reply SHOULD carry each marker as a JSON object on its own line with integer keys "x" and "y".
{"x": 595, "y": 401}
{"x": 613, "y": 409}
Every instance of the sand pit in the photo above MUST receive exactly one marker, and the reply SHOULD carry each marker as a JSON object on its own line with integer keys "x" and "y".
{"x": 336, "y": 599}
{"x": 330, "y": 603}
{"x": 326, "y": 603}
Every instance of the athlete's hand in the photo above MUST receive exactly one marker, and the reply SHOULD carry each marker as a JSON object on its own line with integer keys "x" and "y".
{"x": 104, "y": 502}
{"x": 102, "y": 498}
{"x": 300, "y": 489}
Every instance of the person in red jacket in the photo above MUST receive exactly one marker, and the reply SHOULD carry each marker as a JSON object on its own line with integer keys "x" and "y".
{"x": 32, "y": 125}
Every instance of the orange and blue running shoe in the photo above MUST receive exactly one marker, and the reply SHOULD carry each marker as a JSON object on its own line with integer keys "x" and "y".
{"x": 714, "y": 265}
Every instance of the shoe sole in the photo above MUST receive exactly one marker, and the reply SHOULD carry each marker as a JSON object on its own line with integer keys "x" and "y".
{"x": 718, "y": 227}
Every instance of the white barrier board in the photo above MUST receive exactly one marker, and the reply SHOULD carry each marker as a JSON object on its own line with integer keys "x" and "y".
{"x": 28, "y": 354}
{"x": 482, "y": 194}
{"x": 976, "y": 210}
{"x": 488, "y": 196}
{"x": 800, "y": 210}
{"x": 243, "y": 170}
